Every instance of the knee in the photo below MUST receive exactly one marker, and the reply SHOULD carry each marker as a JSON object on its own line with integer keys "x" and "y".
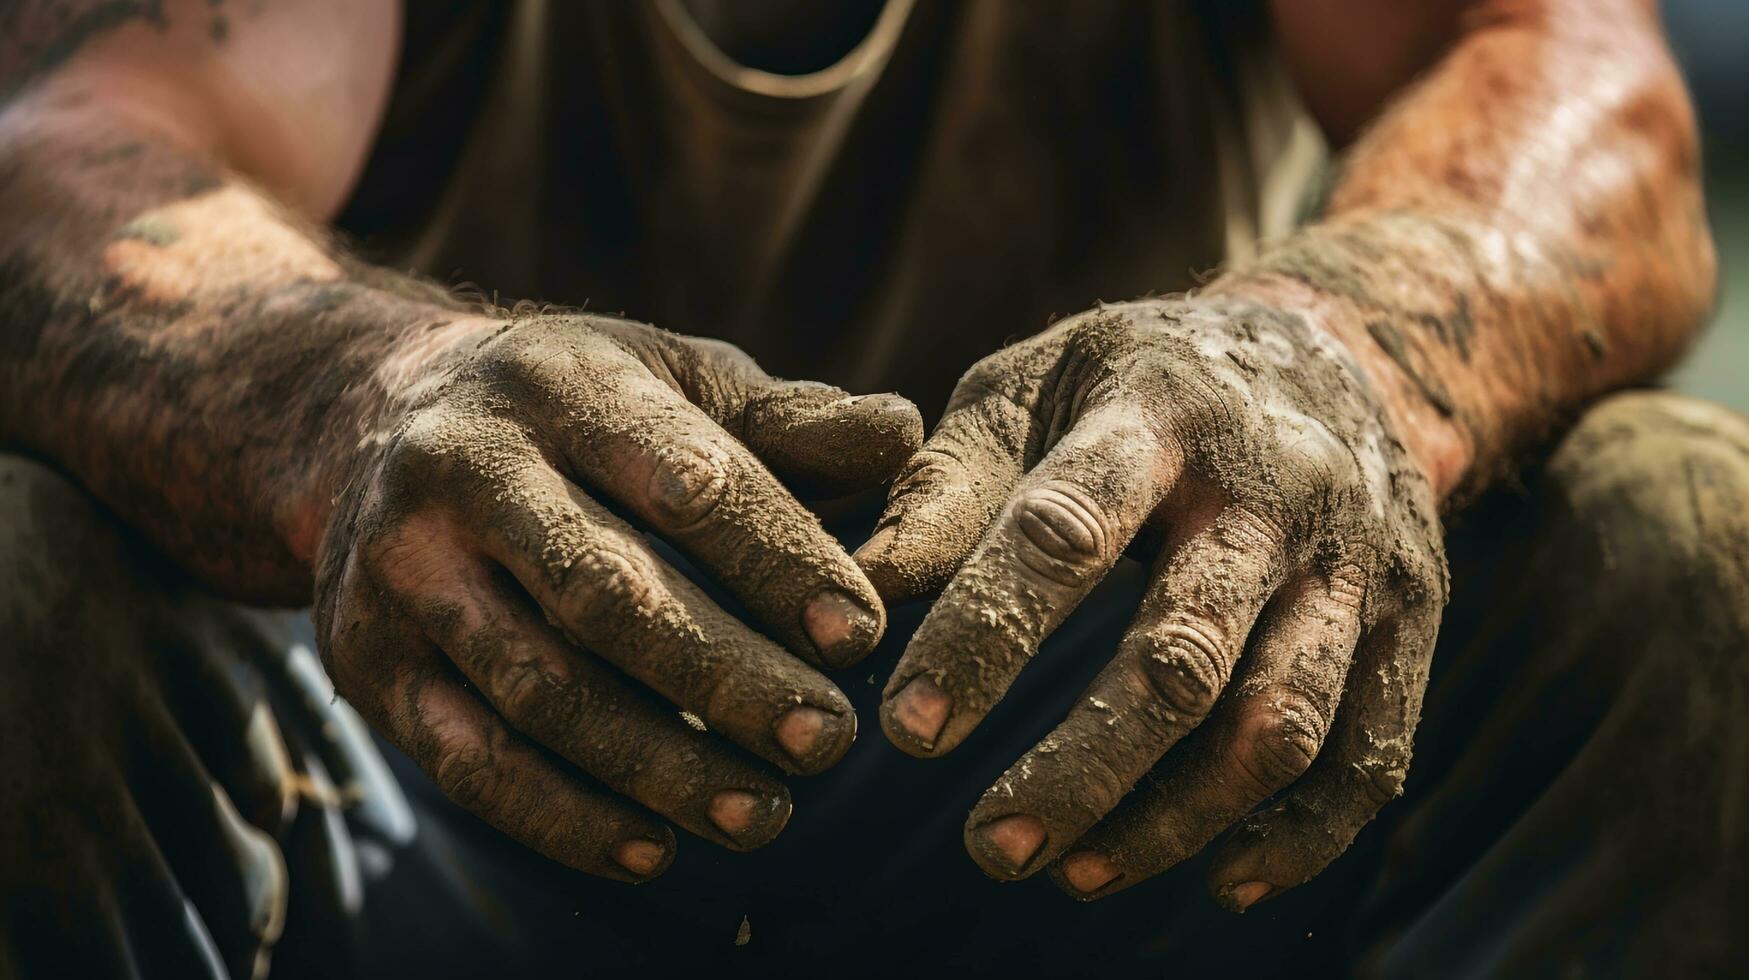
{"x": 1654, "y": 488}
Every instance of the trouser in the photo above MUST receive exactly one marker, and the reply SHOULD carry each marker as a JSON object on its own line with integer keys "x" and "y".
{"x": 1578, "y": 804}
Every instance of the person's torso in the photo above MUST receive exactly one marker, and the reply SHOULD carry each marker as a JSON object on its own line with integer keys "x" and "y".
{"x": 932, "y": 180}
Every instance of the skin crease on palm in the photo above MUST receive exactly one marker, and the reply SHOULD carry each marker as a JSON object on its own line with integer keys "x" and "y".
{"x": 460, "y": 489}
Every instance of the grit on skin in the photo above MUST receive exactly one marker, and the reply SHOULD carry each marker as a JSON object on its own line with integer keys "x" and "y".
{"x": 463, "y": 490}
{"x": 1502, "y": 245}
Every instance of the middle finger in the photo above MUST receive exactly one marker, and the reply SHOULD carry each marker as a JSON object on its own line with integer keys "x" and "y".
{"x": 1174, "y": 662}
{"x": 568, "y": 701}
{"x": 602, "y": 584}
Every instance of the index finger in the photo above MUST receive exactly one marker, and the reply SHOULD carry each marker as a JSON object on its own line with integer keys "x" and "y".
{"x": 700, "y": 488}
{"x": 1061, "y": 530}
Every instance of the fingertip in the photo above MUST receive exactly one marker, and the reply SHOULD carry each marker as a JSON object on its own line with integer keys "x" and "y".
{"x": 842, "y": 629}
{"x": 1086, "y": 875}
{"x": 1239, "y": 896}
{"x": 644, "y": 858}
{"x": 895, "y": 576}
{"x": 815, "y": 739}
{"x": 1250, "y": 868}
{"x": 749, "y": 820}
{"x": 1007, "y": 847}
{"x": 891, "y": 422}
{"x": 913, "y": 718}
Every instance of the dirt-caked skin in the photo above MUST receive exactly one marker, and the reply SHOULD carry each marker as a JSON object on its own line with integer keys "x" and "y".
{"x": 463, "y": 490}
{"x": 1511, "y": 239}
{"x": 1299, "y": 556}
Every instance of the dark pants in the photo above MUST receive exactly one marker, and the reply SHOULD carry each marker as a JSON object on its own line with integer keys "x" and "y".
{"x": 1578, "y": 803}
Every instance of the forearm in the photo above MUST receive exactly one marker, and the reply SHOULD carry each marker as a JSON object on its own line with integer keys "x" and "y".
{"x": 1520, "y": 233}
{"x": 196, "y": 359}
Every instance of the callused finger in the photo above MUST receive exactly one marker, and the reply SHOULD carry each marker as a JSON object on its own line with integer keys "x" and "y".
{"x": 581, "y": 709}
{"x": 1063, "y": 528}
{"x": 501, "y": 777}
{"x": 701, "y": 489}
{"x": 597, "y": 578}
{"x": 1214, "y": 579}
{"x": 1261, "y": 738}
{"x": 1360, "y": 770}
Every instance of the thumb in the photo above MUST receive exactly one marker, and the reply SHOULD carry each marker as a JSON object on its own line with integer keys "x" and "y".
{"x": 820, "y": 440}
{"x": 823, "y": 441}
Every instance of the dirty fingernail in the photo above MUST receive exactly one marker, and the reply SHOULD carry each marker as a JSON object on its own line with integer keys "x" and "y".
{"x": 1245, "y": 895}
{"x": 807, "y": 734}
{"x": 1089, "y": 871}
{"x": 1015, "y": 839}
{"x": 920, "y": 709}
{"x": 640, "y": 857}
{"x": 839, "y": 627}
{"x": 751, "y": 820}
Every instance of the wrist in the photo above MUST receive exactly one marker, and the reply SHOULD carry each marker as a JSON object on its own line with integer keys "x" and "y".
{"x": 1423, "y": 420}
{"x": 411, "y": 362}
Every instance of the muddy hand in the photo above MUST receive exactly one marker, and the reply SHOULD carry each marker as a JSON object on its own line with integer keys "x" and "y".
{"x": 1283, "y": 643}
{"x": 484, "y": 602}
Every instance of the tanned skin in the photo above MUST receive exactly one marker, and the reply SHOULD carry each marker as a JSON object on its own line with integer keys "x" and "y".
{"x": 1518, "y": 232}
{"x": 286, "y": 423}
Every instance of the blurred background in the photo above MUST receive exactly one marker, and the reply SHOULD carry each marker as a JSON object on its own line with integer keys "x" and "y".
{"x": 1711, "y": 38}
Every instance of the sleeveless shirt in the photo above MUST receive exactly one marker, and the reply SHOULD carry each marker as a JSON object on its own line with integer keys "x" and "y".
{"x": 962, "y": 175}
{"x": 955, "y": 177}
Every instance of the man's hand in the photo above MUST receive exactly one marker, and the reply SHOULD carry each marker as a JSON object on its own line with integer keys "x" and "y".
{"x": 1283, "y": 645}
{"x": 478, "y": 599}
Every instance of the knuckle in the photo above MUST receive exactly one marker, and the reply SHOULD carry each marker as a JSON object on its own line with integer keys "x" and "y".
{"x": 1344, "y": 596}
{"x": 1380, "y": 781}
{"x": 931, "y": 471}
{"x": 1187, "y": 668}
{"x": 448, "y": 456}
{"x": 1319, "y": 459}
{"x": 686, "y": 486}
{"x": 1250, "y": 535}
{"x": 723, "y": 356}
{"x": 470, "y": 778}
{"x": 529, "y": 356}
{"x": 933, "y": 465}
{"x": 1066, "y": 781}
{"x": 1064, "y": 534}
{"x": 1104, "y": 783}
{"x": 987, "y": 375}
{"x": 533, "y": 695}
{"x": 556, "y": 825}
{"x": 1278, "y": 742}
{"x": 1421, "y": 583}
{"x": 603, "y": 586}
{"x": 1100, "y": 333}
{"x": 409, "y": 556}
{"x": 426, "y": 449}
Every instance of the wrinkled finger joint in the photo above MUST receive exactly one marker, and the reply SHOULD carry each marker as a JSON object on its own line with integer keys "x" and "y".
{"x": 1187, "y": 666}
{"x": 1065, "y": 534}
